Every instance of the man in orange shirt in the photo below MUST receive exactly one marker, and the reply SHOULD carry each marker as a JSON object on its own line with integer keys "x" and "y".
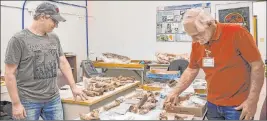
{"x": 232, "y": 63}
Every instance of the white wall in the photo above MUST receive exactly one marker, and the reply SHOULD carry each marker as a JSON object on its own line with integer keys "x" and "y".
{"x": 129, "y": 28}
{"x": 123, "y": 27}
{"x": 72, "y": 33}
{"x": 260, "y": 11}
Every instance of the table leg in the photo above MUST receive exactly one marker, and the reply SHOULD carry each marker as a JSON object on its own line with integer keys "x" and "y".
{"x": 104, "y": 70}
{"x": 142, "y": 77}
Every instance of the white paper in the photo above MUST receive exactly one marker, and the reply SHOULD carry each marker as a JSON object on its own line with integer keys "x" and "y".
{"x": 121, "y": 109}
{"x": 131, "y": 101}
{"x": 198, "y": 100}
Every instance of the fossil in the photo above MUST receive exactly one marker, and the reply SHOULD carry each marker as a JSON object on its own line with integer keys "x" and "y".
{"x": 142, "y": 101}
{"x": 163, "y": 115}
{"x": 112, "y": 105}
{"x": 94, "y": 115}
{"x": 133, "y": 108}
{"x": 171, "y": 83}
{"x": 177, "y": 117}
{"x": 115, "y": 58}
{"x": 146, "y": 104}
{"x": 96, "y": 86}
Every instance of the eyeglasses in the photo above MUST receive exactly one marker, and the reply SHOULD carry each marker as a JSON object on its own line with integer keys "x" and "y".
{"x": 55, "y": 21}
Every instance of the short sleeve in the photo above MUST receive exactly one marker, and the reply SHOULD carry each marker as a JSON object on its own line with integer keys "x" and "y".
{"x": 60, "y": 50}
{"x": 13, "y": 51}
{"x": 193, "y": 58}
{"x": 246, "y": 45}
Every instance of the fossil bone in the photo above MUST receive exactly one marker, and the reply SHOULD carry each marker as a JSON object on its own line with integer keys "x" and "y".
{"x": 112, "y": 105}
{"x": 94, "y": 115}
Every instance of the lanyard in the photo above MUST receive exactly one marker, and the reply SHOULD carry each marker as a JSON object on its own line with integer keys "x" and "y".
{"x": 207, "y": 49}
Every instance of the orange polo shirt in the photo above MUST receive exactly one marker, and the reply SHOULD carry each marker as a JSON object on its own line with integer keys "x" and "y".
{"x": 232, "y": 47}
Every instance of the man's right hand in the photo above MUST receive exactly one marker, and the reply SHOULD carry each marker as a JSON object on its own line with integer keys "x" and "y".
{"x": 186, "y": 79}
{"x": 18, "y": 111}
{"x": 171, "y": 99}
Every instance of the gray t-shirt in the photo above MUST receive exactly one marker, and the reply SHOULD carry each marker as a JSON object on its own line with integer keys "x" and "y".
{"x": 37, "y": 58}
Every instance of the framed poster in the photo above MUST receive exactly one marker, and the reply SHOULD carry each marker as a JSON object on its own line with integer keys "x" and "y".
{"x": 169, "y": 22}
{"x": 237, "y": 13}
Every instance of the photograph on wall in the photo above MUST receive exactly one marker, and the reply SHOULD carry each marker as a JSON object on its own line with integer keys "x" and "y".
{"x": 175, "y": 27}
{"x": 182, "y": 37}
{"x": 237, "y": 13}
{"x": 166, "y": 37}
{"x": 169, "y": 22}
{"x": 168, "y": 28}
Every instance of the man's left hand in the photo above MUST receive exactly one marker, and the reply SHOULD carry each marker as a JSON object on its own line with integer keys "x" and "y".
{"x": 249, "y": 108}
{"x": 78, "y": 92}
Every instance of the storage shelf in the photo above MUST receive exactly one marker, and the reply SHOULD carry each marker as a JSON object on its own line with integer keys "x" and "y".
{"x": 73, "y": 64}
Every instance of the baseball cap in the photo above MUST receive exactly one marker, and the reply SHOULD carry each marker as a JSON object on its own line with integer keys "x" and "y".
{"x": 50, "y": 9}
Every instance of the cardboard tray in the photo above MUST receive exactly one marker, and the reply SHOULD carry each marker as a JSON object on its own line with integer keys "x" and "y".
{"x": 196, "y": 111}
{"x": 171, "y": 116}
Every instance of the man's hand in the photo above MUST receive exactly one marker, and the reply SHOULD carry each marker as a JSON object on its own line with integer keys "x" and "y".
{"x": 66, "y": 70}
{"x": 249, "y": 108}
{"x": 171, "y": 99}
{"x": 18, "y": 111}
{"x": 186, "y": 79}
{"x": 78, "y": 92}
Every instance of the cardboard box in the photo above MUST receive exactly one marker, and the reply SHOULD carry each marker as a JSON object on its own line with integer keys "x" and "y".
{"x": 196, "y": 111}
{"x": 171, "y": 116}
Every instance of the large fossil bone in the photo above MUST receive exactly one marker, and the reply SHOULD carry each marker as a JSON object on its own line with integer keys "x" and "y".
{"x": 112, "y": 105}
{"x": 92, "y": 93}
{"x": 177, "y": 117}
{"x": 96, "y": 86}
{"x": 133, "y": 108}
{"x": 148, "y": 105}
{"x": 142, "y": 101}
{"x": 172, "y": 83}
{"x": 163, "y": 115}
{"x": 152, "y": 100}
{"x": 94, "y": 115}
{"x": 89, "y": 93}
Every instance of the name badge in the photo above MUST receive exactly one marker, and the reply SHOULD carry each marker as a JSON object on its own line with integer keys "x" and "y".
{"x": 208, "y": 62}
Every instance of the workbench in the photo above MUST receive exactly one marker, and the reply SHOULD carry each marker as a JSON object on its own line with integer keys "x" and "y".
{"x": 134, "y": 66}
{"x": 147, "y": 116}
{"x": 72, "y": 108}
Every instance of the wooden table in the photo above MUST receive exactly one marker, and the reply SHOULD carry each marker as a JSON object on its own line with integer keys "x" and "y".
{"x": 133, "y": 66}
{"x": 73, "y": 108}
{"x": 131, "y": 94}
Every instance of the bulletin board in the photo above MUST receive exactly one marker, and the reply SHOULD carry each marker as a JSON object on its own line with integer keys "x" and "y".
{"x": 169, "y": 22}
{"x": 237, "y": 13}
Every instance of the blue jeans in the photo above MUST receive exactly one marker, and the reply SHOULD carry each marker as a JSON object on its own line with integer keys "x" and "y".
{"x": 51, "y": 110}
{"x": 222, "y": 112}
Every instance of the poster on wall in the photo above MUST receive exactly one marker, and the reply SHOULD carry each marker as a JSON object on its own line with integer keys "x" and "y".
{"x": 169, "y": 22}
{"x": 236, "y": 13}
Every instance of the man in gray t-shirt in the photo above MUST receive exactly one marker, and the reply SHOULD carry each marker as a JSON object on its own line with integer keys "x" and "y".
{"x": 32, "y": 59}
